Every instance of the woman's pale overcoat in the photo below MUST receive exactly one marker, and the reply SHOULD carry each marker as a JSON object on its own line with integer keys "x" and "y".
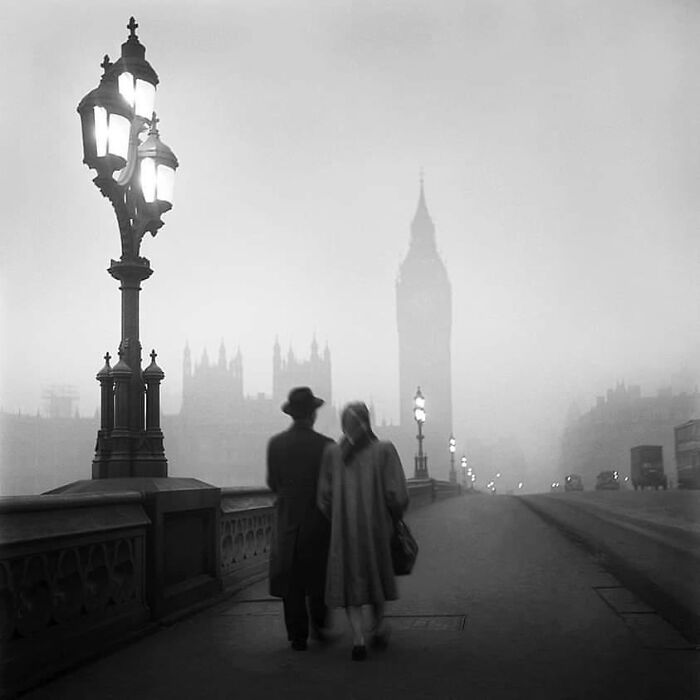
{"x": 360, "y": 498}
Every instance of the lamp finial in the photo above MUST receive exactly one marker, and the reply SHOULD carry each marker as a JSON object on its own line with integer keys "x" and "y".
{"x": 154, "y": 125}
{"x": 132, "y": 26}
{"x": 106, "y": 64}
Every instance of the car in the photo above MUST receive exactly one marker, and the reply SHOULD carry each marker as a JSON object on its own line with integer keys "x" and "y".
{"x": 573, "y": 482}
{"x": 607, "y": 480}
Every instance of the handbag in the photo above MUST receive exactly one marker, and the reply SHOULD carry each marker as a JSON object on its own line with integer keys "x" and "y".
{"x": 404, "y": 549}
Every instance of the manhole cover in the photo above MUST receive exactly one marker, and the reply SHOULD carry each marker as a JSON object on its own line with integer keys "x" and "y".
{"x": 255, "y": 607}
{"x": 430, "y": 623}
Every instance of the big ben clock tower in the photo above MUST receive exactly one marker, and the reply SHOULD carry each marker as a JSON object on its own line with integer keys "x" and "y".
{"x": 424, "y": 315}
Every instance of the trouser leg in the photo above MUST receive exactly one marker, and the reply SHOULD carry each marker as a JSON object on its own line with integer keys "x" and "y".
{"x": 318, "y": 611}
{"x": 294, "y": 603}
{"x": 316, "y": 591}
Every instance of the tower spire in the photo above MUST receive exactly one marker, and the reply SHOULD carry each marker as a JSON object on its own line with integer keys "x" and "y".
{"x": 422, "y": 226}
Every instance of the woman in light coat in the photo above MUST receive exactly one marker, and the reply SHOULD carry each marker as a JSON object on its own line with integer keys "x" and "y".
{"x": 362, "y": 490}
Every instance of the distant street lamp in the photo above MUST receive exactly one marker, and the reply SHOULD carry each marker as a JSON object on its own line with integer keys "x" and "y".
{"x": 421, "y": 462}
{"x": 136, "y": 172}
{"x": 463, "y": 463}
{"x": 453, "y": 447}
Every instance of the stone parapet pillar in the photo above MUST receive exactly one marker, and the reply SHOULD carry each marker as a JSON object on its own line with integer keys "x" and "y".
{"x": 152, "y": 461}
{"x": 119, "y": 461}
{"x": 104, "y": 434}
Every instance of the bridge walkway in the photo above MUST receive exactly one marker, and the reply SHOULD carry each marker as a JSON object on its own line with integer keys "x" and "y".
{"x": 501, "y": 605}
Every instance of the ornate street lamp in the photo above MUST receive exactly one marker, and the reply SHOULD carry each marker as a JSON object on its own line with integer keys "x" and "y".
{"x": 421, "y": 465}
{"x": 136, "y": 172}
{"x": 463, "y": 463}
{"x": 453, "y": 447}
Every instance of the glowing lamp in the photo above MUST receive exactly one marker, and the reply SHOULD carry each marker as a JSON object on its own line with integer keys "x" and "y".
{"x": 106, "y": 123}
{"x": 157, "y": 165}
{"x": 419, "y": 407}
{"x": 136, "y": 78}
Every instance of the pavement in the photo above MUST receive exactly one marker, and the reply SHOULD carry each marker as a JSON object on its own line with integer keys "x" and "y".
{"x": 501, "y": 605}
{"x": 650, "y": 541}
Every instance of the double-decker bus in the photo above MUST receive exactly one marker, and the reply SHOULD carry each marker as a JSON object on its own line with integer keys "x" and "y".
{"x": 688, "y": 454}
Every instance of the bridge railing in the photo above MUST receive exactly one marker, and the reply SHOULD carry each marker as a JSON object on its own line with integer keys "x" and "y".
{"x": 72, "y": 575}
{"x": 423, "y": 491}
{"x": 247, "y": 519}
{"x": 80, "y": 572}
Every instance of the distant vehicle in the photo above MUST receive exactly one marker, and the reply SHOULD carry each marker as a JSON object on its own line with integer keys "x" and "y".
{"x": 607, "y": 480}
{"x": 573, "y": 482}
{"x": 688, "y": 454}
{"x": 647, "y": 467}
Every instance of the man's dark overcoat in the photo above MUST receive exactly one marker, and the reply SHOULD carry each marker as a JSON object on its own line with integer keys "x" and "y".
{"x": 302, "y": 532}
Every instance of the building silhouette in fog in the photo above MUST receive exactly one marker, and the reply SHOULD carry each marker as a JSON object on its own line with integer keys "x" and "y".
{"x": 220, "y": 433}
{"x": 290, "y": 372}
{"x": 51, "y": 448}
{"x": 603, "y": 437}
{"x": 424, "y": 317}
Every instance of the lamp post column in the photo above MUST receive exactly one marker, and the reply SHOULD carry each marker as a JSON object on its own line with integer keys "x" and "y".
{"x": 130, "y": 274}
{"x": 420, "y": 468}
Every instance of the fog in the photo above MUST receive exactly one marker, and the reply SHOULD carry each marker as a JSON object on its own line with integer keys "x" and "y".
{"x": 560, "y": 150}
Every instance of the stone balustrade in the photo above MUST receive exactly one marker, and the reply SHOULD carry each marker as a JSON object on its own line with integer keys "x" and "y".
{"x": 247, "y": 518}
{"x": 80, "y": 572}
{"x": 72, "y": 574}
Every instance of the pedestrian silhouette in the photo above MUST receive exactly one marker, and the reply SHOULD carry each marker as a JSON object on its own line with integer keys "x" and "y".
{"x": 300, "y": 539}
{"x": 362, "y": 491}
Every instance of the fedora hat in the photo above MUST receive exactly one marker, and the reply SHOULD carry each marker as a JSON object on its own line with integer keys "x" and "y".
{"x": 301, "y": 402}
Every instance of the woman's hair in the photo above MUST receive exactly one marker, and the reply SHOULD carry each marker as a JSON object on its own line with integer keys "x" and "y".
{"x": 356, "y": 411}
{"x": 357, "y": 430}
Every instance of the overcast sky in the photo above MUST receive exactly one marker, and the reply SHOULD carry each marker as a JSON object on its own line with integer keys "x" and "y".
{"x": 560, "y": 146}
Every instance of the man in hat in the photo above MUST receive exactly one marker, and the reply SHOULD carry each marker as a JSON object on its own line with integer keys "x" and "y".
{"x": 300, "y": 541}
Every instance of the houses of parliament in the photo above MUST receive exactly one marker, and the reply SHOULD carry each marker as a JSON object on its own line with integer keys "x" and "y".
{"x": 222, "y": 433}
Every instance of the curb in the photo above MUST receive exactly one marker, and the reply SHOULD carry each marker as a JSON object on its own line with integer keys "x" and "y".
{"x": 673, "y": 609}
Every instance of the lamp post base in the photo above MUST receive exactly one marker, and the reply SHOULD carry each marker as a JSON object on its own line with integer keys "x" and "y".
{"x": 124, "y": 454}
{"x": 421, "y": 467}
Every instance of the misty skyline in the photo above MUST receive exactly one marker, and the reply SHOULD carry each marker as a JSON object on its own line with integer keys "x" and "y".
{"x": 560, "y": 151}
